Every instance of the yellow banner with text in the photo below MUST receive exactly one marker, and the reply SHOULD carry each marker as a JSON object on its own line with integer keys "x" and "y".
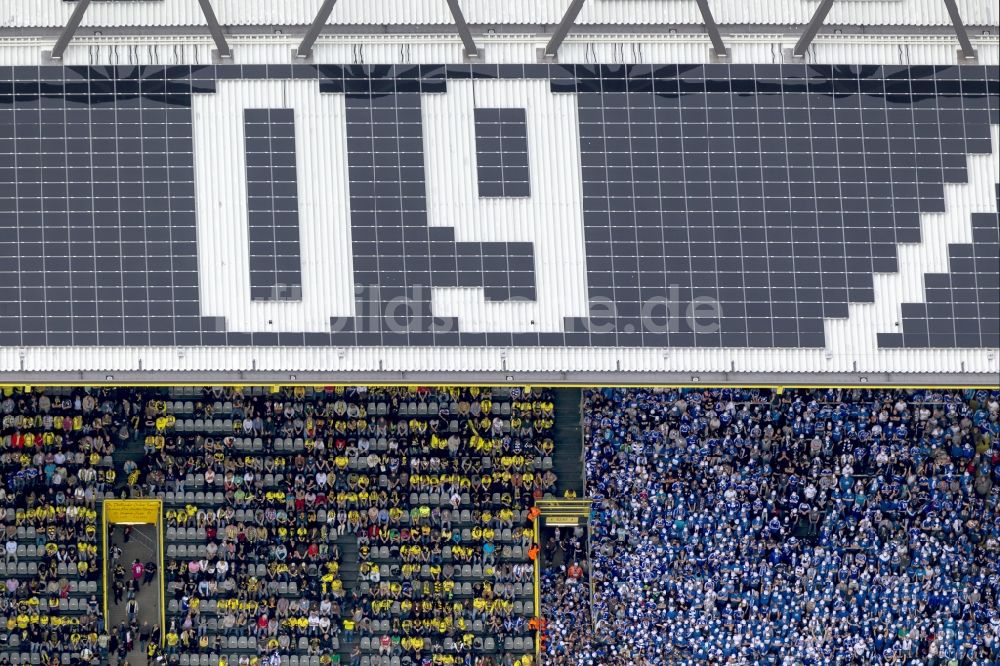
{"x": 137, "y": 511}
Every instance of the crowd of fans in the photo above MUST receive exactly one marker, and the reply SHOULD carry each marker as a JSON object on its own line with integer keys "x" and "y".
{"x": 55, "y": 465}
{"x": 730, "y": 526}
{"x": 428, "y": 491}
{"x": 125, "y": 579}
{"x": 805, "y": 527}
{"x": 566, "y": 606}
{"x": 417, "y": 499}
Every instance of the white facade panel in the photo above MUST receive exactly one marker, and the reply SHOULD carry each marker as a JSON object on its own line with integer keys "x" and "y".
{"x": 51, "y": 13}
{"x": 729, "y": 362}
{"x": 404, "y": 49}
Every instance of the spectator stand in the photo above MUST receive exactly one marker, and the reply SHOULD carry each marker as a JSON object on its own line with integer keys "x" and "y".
{"x": 466, "y": 462}
{"x": 58, "y": 451}
{"x": 854, "y": 526}
{"x": 243, "y": 532}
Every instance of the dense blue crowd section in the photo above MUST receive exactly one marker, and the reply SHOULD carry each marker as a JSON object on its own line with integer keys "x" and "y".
{"x": 802, "y": 527}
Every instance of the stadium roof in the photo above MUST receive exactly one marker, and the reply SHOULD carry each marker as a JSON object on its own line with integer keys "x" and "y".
{"x": 877, "y": 31}
{"x": 527, "y": 310}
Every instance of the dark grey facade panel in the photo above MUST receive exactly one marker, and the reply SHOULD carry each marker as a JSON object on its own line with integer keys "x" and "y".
{"x": 776, "y": 191}
{"x": 502, "y": 152}
{"x": 272, "y": 205}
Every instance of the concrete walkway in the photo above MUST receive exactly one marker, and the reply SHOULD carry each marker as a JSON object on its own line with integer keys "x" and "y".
{"x": 142, "y": 545}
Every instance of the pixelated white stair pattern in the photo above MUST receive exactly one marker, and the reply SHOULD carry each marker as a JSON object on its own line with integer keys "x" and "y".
{"x": 858, "y": 332}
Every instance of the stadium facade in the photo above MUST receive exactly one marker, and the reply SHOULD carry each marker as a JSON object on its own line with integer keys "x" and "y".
{"x": 796, "y": 191}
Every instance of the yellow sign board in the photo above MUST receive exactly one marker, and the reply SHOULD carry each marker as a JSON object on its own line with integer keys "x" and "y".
{"x": 137, "y": 511}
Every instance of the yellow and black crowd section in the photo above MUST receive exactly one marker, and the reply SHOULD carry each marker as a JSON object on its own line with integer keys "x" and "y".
{"x": 303, "y": 526}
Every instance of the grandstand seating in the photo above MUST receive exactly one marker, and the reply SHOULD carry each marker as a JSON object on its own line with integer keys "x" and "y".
{"x": 303, "y": 523}
{"x": 56, "y": 466}
{"x": 807, "y": 526}
{"x": 391, "y": 524}
{"x": 385, "y": 498}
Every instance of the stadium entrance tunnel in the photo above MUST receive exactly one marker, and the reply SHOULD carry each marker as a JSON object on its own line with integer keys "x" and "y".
{"x": 134, "y": 605}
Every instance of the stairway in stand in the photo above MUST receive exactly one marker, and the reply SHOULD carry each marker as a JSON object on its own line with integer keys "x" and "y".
{"x": 130, "y": 450}
{"x": 348, "y": 575}
{"x": 567, "y": 459}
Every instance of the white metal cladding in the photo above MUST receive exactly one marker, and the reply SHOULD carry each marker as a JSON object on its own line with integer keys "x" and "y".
{"x": 382, "y": 49}
{"x": 851, "y": 342}
{"x": 54, "y": 13}
{"x": 483, "y": 359}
